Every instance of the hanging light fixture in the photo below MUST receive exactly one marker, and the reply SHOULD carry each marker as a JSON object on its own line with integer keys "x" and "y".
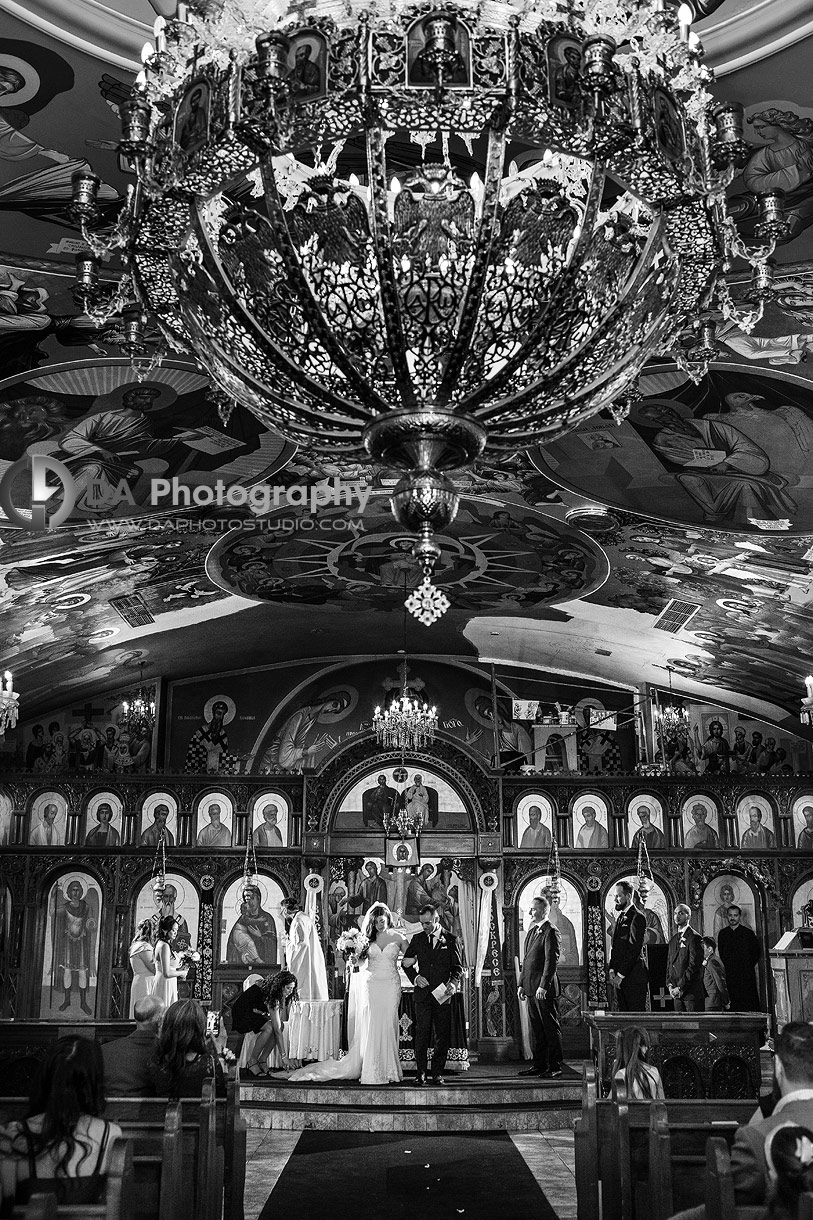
{"x": 644, "y": 879}
{"x": 554, "y": 872}
{"x": 331, "y": 216}
{"x": 408, "y": 723}
{"x": 671, "y": 717}
{"x": 9, "y": 704}
{"x": 138, "y": 713}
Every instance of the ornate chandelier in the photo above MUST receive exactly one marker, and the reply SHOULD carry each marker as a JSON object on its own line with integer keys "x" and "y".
{"x": 407, "y": 724}
{"x": 9, "y": 704}
{"x": 138, "y": 714}
{"x": 416, "y": 232}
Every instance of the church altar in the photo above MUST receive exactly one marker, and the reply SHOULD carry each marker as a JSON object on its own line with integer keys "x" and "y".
{"x": 698, "y": 1054}
{"x": 313, "y": 1029}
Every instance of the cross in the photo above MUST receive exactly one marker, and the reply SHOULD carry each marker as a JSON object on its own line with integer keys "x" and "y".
{"x": 89, "y": 712}
{"x": 662, "y": 997}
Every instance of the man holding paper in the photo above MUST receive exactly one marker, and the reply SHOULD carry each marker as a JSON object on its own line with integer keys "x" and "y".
{"x": 434, "y": 963}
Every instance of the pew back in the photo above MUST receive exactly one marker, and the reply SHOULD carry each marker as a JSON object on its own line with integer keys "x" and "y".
{"x": 114, "y": 1204}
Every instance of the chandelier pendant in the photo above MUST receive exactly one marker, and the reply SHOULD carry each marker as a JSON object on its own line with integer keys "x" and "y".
{"x": 407, "y": 724}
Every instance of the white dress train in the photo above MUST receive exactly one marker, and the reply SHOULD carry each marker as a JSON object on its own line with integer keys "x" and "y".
{"x": 373, "y": 1054}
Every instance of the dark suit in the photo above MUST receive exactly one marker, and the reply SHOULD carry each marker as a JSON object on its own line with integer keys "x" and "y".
{"x": 125, "y": 1065}
{"x": 714, "y": 985}
{"x": 629, "y": 938}
{"x": 684, "y": 970}
{"x": 543, "y": 946}
{"x": 440, "y": 963}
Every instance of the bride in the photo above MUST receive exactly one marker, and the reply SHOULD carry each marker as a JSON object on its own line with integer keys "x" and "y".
{"x": 373, "y": 1054}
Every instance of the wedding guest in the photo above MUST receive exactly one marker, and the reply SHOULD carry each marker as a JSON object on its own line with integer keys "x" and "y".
{"x": 261, "y": 1009}
{"x": 740, "y": 952}
{"x": 539, "y": 985}
{"x": 126, "y": 1060}
{"x": 62, "y": 1147}
{"x": 684, "y": 964}
{"x": 789, "y": 1160}
{"x": 142, "y": 964}
{"x": 642, "y": 1079}
{"x": 628, "y": 968}
{"x": 714, "y": 982}
{"x": 185, "y": 1056}
{"x": 750, "y": 1169}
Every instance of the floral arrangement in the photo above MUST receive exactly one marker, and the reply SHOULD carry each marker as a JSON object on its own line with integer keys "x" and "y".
{"x": 190, "y": 957}
{"x": 353, "y": 946}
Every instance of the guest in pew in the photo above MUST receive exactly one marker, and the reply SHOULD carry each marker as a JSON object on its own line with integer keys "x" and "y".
{"x": 789, "y": 1157}
{"x": 642, "y": 1079}
{"x": 63, "y": 1146}
{"x": 793, "y": 1069}
{"x": 262, "y": 1010}
{"x": 127, "y": 1060}
{"x": 185, "y": 1056}
{"x": 714, "y": 983}
{"x": 684, "y": 964}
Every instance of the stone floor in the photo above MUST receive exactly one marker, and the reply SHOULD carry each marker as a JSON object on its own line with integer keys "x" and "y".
{"x": 548, "y": 1155}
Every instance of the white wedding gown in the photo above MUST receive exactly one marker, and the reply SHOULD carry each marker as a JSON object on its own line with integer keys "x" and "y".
{"x": 373, "y": 1054}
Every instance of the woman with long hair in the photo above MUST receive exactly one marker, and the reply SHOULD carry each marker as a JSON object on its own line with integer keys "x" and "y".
{"x": 643, "y": 1081}
{"x": 62, "y": 1147}
{"x": 789, "y": 1159}
{"x": 185, "y": 1056}
{"x": 142, "y": 964}
{"x": 373, "y": 1055}
{"x": 167, "y": 973}
{"x": 262, "y": 1009}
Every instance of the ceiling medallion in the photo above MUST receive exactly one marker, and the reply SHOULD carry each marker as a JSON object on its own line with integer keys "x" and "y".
{"x": 330, "y": 216}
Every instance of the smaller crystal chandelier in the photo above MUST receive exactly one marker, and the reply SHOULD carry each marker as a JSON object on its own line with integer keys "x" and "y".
{"x": 399, "y": 821}
{"x": 407, "y": 724}
{"x": 9, "y": 704}
{"x": 139, "y": 714}
{"x": 671, "y": 717}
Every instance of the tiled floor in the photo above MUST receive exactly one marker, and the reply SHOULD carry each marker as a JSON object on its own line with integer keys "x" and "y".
{"x": 549, "y": 1156}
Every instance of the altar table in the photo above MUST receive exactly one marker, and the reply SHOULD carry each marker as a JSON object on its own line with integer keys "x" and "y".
{"x": 313, "y": 1029}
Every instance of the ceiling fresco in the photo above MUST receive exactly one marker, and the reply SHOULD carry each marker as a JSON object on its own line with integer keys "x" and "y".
{"x": 493, "y": 557}
{"x": 560, "y": 560}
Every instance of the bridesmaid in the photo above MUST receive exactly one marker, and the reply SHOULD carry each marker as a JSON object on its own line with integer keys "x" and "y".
{"x": 142, "y": 964}
{"x": 166, "y": 972}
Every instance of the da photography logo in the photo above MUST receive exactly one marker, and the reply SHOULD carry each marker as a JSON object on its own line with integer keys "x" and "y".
{"x": 31, "y": 513}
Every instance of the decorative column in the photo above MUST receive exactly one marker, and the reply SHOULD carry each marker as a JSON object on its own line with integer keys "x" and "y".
{"x": 494, "y": 1044}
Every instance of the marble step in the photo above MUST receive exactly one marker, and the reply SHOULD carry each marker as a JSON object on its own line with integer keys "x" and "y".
{"x": 457, "y": 1095}
{"x": 548, "y": 1117}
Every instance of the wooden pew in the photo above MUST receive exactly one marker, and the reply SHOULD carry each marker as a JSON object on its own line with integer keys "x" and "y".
{"x": 643, "y": 1158}
{"x": 719, "y": 1185}
{"x": 112, "y": 1206}
{"x": 207, "y": 1123}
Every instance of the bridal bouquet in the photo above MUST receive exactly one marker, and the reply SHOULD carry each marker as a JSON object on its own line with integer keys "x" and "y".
{"x": 353, "y": 946}
{"x": 190, "y": 957}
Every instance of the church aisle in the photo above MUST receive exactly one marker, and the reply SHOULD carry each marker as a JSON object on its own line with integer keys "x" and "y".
{"x": 550, "y": 1156}
{"x": 406, "y": 1174}
{"x": 267, "y": 1154}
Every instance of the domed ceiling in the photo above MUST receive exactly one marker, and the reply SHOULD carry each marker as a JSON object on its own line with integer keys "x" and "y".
{"x": 562, "y": 559}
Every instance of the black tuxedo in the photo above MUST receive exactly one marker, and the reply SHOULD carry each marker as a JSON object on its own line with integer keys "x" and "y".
{"x": 543, "y": 946}
{"x": 440, "y": 963}
{"x": 684, "y": 970}
{"x": 629, "y": 938}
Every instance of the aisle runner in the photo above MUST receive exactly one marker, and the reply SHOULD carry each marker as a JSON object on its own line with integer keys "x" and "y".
{"x": 420, "y": 1177}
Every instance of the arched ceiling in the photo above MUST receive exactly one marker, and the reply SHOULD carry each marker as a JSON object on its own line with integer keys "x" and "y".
{"x": 562, "y": 559}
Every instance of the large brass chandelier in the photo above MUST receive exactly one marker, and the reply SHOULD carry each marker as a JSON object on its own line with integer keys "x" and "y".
{"x": 415, "y": 230}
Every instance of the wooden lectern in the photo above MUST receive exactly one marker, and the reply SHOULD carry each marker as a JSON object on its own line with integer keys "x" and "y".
{"x": 792, "y": 967}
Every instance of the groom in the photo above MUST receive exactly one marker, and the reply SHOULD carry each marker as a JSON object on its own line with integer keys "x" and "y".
{"x": 438, "y": 963}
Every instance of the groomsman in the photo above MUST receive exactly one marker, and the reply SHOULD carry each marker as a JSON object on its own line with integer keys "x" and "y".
{"x": 539, "y": 985}
{"x": 435, "y": 964}
{"x": 684, "y": 964}
{"x": 628, "y": 971}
